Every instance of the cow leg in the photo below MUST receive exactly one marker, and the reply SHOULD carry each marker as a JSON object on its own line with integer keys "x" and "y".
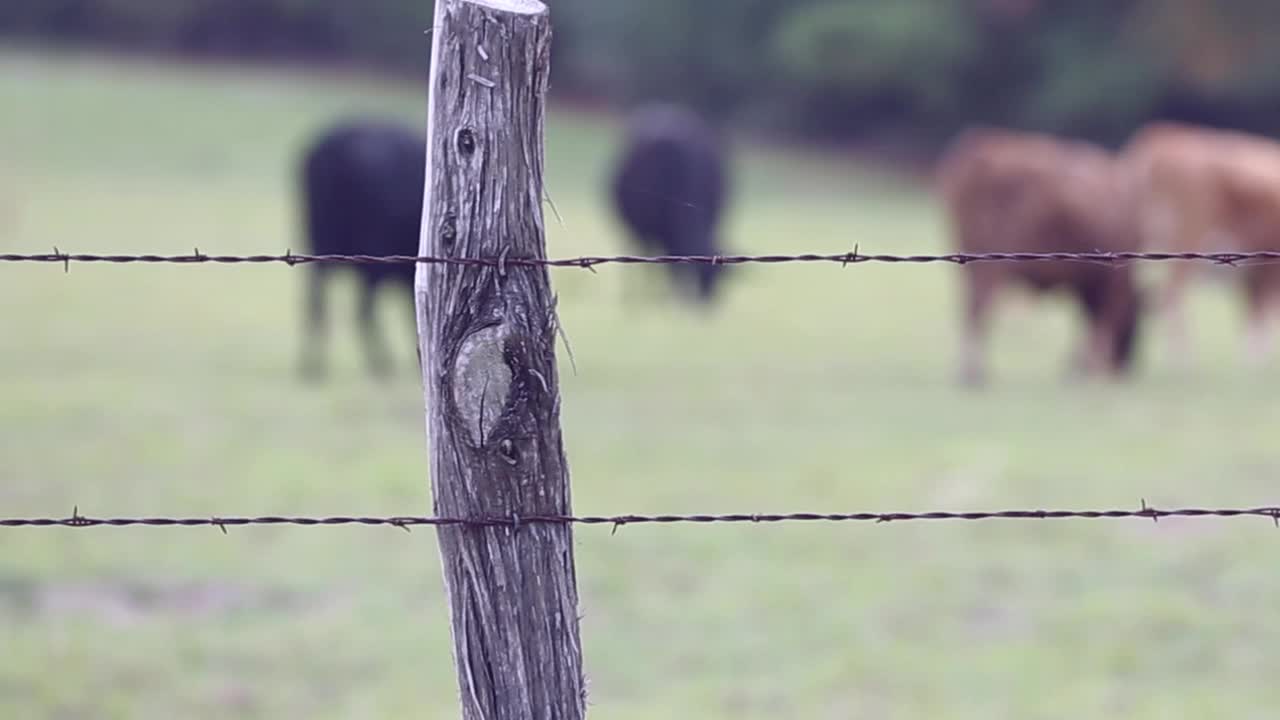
{"x": 980, "y": 291}
{"x": 1093, "y": 356}
{"x": 1258, "y": 343}
{"x": 1258, "y": 296}
{"x": 704, "y": 277}
{"x": 311, "y": 366}
{"x": 1078, "y": 362}
{"x": 1085, "y": 358}
{"x": 706, "y": 281}
{"x": 375, "y": 350}
{"x": 1173, "y": 302}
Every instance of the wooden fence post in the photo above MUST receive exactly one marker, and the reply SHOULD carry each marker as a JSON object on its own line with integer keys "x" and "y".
{"x": 487, "y": 338}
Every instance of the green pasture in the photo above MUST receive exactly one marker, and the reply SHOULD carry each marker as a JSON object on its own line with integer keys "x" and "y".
{"x": 172, "y": 390}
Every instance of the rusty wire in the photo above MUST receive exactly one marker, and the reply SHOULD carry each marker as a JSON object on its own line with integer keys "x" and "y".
{"x": 588, "y": 262}
{"x": 1145, "y": 512}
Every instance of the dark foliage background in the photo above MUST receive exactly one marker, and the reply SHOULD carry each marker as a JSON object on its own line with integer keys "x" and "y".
{"x": 839, "y": 68}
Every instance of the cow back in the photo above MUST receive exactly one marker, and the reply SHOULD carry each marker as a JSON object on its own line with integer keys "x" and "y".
{"x": 1006, "y": 191}
{"x": 363, "y": 191}
{"x": 1201, "y": 189}
{"x": 670, "y": 183}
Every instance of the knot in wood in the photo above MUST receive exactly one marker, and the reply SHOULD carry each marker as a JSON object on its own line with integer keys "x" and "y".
{"x": 449, "y": 229}
{"x": 507, "y": 450}
{"x": 481, "y": 382}
{"x": 465, "y": 142}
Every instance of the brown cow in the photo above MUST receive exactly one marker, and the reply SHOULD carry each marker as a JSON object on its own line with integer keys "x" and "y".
{"x": 1202, "y": 190}
{"x": 1015, "y": 191}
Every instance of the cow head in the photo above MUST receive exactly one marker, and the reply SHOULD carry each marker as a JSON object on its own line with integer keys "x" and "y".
{"x": 706, "y": 279}
{"x": 1113, "y": 306}
{"x": 1121, "y": 320}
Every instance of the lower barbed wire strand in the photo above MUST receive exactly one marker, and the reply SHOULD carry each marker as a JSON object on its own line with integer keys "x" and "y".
{"x": 515, "y": 521}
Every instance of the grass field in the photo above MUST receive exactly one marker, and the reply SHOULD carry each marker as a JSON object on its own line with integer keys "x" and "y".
{"x": 172, "y": 390}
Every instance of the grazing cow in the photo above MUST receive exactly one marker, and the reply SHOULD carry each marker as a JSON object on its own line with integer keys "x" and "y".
{"x": 670, "y": 188}
{"x": 362, "y": 190}
{"x": 1202, "y": 190}
{"x": 1007, "y": 191}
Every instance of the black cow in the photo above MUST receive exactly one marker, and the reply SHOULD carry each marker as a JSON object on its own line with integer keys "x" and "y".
{"x": 362, "y": 189}
{"x": 670, "y": 188}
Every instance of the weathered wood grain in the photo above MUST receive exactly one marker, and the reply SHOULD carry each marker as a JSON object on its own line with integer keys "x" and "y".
{"x": 489, "y": 369}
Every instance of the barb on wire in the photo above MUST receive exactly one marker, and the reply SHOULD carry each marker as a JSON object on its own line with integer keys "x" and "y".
{"x": 590, "y": 262}
{"x": 1145, "y": 512}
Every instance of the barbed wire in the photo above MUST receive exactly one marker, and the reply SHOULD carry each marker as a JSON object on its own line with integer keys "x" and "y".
{"x": 1145, "y": 512}
{"x": 589, "y": 262}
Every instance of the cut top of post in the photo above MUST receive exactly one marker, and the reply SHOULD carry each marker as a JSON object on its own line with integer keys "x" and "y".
{"x": 524, "y": 7}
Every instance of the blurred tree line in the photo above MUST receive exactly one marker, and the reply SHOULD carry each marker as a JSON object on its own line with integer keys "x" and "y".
{"x": 921, "y": 68}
